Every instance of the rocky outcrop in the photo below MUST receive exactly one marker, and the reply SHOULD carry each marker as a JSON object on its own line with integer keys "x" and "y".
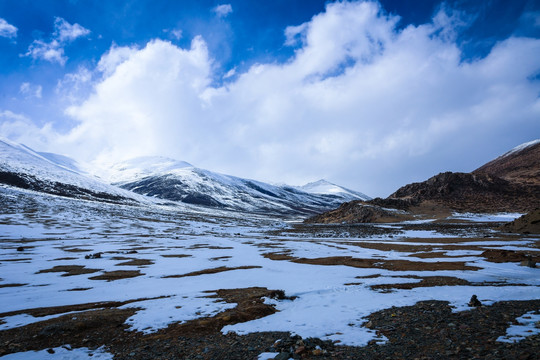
{"x": 360, "y": 212}
{"x": 472, "y": 193}
{"x": 526, "y": 224}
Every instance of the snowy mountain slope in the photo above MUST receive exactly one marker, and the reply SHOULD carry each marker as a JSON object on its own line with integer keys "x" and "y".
{"x": 55, "y": 174}
{"x": 325, "y": 187}
{"x": 179, "y": 181}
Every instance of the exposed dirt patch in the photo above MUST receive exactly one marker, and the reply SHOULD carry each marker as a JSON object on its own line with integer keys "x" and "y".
{"x": 70, "y": 270}
{"x": 79, "y": 289}
{"x": 136, "y": 262}
{"x": 65, "y": 258}
{"x": 75, "y": 250}
{"x": 428, "y": 281}
{"x": 117, "y": 275}
{"x": 220, "y": 258}
{"x": 250, "y": 306}
{"x": 14, "y": 260}
{"x": 212, "y": 271}
{"x": 210, "y": 247}
{"x": 501, "y": 256}
{"x": 393, "y": 265}
{"x": 11, "y": 285}
{"x": 175, "y": 256}
{"x": 54, "y": 310}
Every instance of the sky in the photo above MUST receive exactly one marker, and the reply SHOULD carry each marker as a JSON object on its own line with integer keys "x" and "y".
{"x": 369, "y": 95}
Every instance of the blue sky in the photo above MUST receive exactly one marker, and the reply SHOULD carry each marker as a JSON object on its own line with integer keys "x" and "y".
{"x": 371, "y": 95}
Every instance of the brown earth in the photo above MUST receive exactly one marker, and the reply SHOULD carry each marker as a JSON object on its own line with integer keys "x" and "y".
{"x": 212, "y": 271}
{"x": 117, "y": 275}
{"x": 526, "y": 224}
{"x": 69, "y": 270}
{"x": 136, "y": 262}
{"x": 392, "y": 265}
{"x": 519, "y": 167}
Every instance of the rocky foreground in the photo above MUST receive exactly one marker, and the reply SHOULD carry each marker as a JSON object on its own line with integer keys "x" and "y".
{"x": 427, "y": 330}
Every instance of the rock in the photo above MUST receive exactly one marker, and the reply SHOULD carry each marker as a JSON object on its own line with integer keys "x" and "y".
{"x": 369, "y": 325}
{"x": 50, "y": 351}
{"x": 283, "y": 356}
{"x": 529, "y": 262}
{"x": 474, "y": 301}
{"x": 20, "y": 248}
{"x": 93, "y": 256}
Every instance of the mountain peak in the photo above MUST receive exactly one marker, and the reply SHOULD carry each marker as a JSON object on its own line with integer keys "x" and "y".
{"x": 139, "y": 167}
{"x": 327, "y": 188}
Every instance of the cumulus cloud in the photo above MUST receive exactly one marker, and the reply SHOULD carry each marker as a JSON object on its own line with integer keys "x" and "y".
{"x": 53, "y": 50}
{"x": 223, "y": 10}
{"x": 360, "y": 102}
{"x": 7, "y": 30}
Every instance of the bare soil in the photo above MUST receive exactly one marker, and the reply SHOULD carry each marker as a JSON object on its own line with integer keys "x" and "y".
{"x": 212, "y": 271}
{"x": 117, "y": 275}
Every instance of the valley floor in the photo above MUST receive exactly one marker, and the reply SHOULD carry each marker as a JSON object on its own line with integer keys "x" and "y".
{"x": 91, "y": 280}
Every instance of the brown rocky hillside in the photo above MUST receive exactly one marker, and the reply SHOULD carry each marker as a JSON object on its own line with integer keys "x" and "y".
{"x": 510, "y": 183}
{"x": 522, "y": 166}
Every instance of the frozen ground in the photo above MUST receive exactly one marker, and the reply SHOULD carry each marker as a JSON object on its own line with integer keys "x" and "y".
{"x": 170, "y": 260}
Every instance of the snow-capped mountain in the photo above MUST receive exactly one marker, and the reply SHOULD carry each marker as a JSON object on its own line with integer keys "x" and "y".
{"x": 325, "y": 187}
{"x": 55, "y": 174}
{"x": 179, "y": 181}
{"x": 162, "y": 178}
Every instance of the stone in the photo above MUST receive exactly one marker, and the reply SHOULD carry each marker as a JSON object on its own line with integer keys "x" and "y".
{"x": 283, "y": 356}
{"x": 474, "y": 301}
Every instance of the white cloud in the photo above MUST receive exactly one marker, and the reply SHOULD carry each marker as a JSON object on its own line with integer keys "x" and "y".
{"x": 19, "y": 128}
{"x": 223, "y": 10}
{"x": 7, "y": 30}
{"x": 64, "y": 32}
{"x": 174, "y": 33}
{"x": 53, "y": 50}
{"x": 75, "y": 87}
{"x": 359, "y": 103}
{"x": 295, "y": 34}
{"x": 30, "y": 91}
{"x": 230, "y": 73}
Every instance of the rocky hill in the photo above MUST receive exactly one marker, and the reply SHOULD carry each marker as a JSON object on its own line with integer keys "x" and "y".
{"x": 526, "y": 224}
{"x": 519, "y": 165}
{"x": 510, "y": 183}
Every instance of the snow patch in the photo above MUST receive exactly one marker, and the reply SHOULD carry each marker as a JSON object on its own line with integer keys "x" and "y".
{"x": 528, "y": 325}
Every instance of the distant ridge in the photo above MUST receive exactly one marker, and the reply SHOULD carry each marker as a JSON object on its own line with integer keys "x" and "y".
{"x": 180, "y": 181}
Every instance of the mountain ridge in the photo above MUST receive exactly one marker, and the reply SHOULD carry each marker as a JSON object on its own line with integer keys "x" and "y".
{"x": 192, "y": 185}
{"x": 150, "y": 179}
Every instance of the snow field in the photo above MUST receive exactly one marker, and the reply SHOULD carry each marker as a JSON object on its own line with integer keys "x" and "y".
{"x": 178, "y": 245}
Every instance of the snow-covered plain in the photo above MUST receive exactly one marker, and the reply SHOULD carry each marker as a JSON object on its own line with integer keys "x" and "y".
{"x": 331, "y": 301}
